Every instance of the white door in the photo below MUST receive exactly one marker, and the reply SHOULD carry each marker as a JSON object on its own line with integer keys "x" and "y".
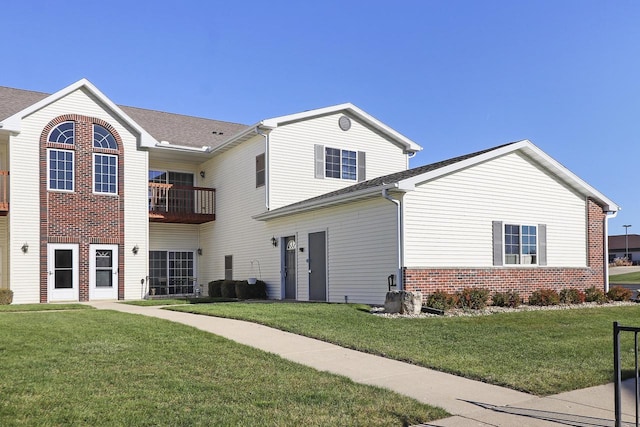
{"x": 62, "y": 265}
{"x": 103, "y": 272}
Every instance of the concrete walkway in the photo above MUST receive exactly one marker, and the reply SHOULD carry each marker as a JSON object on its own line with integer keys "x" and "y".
{"x": 472, "y": 403}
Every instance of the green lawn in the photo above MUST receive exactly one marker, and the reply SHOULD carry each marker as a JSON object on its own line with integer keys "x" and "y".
{"x": 541, "y": 352}
{"x": 628, "y": 278}
{"x": 95, "y": 367}
{"x": 175, "y": 301}
{"x": 43, "y": 307}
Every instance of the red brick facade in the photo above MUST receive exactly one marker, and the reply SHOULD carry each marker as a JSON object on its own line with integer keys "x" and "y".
{"x": 522, "y": 280}
{"x": 81, "y": 217}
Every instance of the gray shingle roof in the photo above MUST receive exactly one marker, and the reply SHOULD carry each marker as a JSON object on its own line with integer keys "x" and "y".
{"x": 14, "y": 100}
{"x": 175, "y": 128}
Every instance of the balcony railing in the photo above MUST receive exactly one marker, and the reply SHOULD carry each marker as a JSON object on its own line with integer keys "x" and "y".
{"x": 4, "y": 192}
{"x": 178, "y": 204}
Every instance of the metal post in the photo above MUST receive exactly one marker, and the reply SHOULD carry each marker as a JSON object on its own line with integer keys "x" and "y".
{"x": 635, "y": 351}
{"x": 626, "y": 240}
{"x": 617, "y": 375}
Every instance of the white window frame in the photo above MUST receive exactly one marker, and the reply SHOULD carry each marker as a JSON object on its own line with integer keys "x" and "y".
{"x": 111, "y": 143}
{"x": 341, "y": 163}
{"x": 73, "y": 170}
{"x": 520, "y": 257}
{"x": 94, "y": 174}
{"x": 261, "y": 174}
{"x": 68, "y": 139}
{"x": 168, "y": 278}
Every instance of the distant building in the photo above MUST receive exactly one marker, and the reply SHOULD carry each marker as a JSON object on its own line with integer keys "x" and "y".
{"x": 618, "y": 247}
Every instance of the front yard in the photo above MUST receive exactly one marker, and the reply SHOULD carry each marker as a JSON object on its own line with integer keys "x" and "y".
{"x": 540, "y": 352}
{"x": 90, "y": 367}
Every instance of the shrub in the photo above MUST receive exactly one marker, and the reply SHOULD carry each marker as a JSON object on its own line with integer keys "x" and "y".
{"x": 6, "y": 296}
{"x": 621, "y": 262}
{"x": 572, "y": 296}
{"x": 259, "y": 290}
{"x": 441, "y": 300}
{"x": 506, "y": 299}
{"x": 594, "y": 294}
{"x": 473, "y": 298}
{"x": 228, "y": 289}
{"x": 618, "y": 293}
{"x": 246, "y": 291}
{"x": 242, "y": 289}
{"x": 544, "y": 297}
{"x": 215, "y": 288}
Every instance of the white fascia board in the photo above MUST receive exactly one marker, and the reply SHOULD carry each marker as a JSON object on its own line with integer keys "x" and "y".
{"x": 567, "y": 176}
{"x": 14, "y": 122}
{"x": 531, "y": 151}
{"x": 409, "y": 145}
{"x": 454, "y": 167}
{"x": 169, "y": 146}
{"x": 322, "y": 203}
{"x": 241, "y": 137}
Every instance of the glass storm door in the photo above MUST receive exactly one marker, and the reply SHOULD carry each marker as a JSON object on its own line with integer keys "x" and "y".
{"x": 62, "y": 265}
{"x": 103, "y": 272}
{"x": 290, "y": 267}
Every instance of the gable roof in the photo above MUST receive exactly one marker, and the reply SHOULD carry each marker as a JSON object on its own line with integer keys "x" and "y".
{"x": 267, "y": 125}
{"x": 183, "y": 130}
{"x": 176, "y": 129}
{"x": 407, "y": 180}
{"x": 349, "y": 110}
{"x": 169, "y": 130}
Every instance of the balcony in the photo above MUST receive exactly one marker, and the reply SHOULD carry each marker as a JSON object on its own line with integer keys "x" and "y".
{"x": 183, "y": 205}
{"x": 4, "y": 193}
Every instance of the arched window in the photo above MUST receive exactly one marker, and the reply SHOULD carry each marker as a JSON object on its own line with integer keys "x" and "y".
{"x": 102, "y": 138}
{"x": 64, "y": 133}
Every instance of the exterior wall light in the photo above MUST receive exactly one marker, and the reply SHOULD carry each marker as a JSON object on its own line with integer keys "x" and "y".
{"x": 25, "y": 248}
{"x": 274, "y": 242}
{"x": 201, "y": 174}
{"x": 135, "y": 250}
{"x": 199, "y": 251}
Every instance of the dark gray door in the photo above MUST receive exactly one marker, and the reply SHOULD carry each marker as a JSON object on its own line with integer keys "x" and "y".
{"x": 318, "y": 266}
{"x": 290, "y": 267}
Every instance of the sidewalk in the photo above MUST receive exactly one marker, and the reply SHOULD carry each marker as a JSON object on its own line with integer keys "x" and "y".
{"x": 472, "y": 403}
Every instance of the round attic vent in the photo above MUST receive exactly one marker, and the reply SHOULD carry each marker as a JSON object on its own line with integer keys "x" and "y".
{"x": 344, "y": 122}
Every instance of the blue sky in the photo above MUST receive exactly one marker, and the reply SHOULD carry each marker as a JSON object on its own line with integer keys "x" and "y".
{"x": 454, "y": 76}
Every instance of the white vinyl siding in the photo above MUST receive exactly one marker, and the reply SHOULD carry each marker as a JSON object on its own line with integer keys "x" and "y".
{"x": 292, "y": 156}
{"x": 448, "y": 221}
{"x": 234, "y": 232}
{"x": 349, "y": 227}
{"x": 164, "y": 237}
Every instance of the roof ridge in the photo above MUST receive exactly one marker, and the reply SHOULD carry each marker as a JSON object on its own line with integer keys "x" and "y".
{"x": 25, "y": 90}
{"x": 129, "y": 106}
{"x": 182, "y": 115}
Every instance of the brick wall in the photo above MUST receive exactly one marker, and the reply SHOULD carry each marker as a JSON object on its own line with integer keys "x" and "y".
{"x": 522, "y": 280}
{"x": 80, "y": 217}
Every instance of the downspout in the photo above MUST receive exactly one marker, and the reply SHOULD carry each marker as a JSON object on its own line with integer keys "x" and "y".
{"x": 266, "y": 166}
{"x": 608, "y": 216}
{"x": 398, "y": 203}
